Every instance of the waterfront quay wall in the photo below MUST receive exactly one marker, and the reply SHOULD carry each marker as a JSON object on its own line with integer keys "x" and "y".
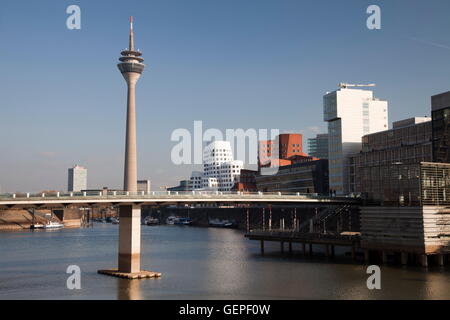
{"x": 16, "y": 219}
{"x": 416, "y": 233}
{"x": 11, "y": 220}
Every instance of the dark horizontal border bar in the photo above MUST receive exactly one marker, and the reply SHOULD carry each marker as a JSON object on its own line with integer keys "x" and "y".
{"x": 225, "y": 309}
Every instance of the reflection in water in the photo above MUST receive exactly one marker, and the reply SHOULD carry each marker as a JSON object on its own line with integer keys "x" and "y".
{"x": 226, "y": 266}
{"x": 196, "y": 263}
{"x": 129, "y": 289}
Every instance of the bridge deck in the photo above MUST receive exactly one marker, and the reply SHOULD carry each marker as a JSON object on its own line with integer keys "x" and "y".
{"x": 23, "y": 200}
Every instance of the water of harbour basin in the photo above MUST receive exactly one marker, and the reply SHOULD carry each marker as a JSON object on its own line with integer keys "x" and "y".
{"x": 197, "y": 263}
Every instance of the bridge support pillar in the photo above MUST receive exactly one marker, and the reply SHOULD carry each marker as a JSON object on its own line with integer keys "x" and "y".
{"x": 366, "y": 256}
{"x": 423, "y": 258}
{"x": 440, "y": 258}
{"x": 282, "y": 246}
{"x": 129, "y": 258}
{"x": 304, "y": 248}
{"x": 262, "y": 247}
{"x": 404, "y": 258}
{"x": 290, "y": 247}
{"x": 310, "y": 249}
{"x": 384, "y": 257}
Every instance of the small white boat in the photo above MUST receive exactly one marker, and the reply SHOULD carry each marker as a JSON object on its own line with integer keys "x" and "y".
{"x": 53, "y": 225}
{"x": 183, "y": 221}
{"x": 115, "y": 220}
{"x": 37, "y": 226}
{"x": 149, "y": 221}
{"x": 179, "y": 221}
{"x": 171, "y": 220}
{"x": 221, "y": 223}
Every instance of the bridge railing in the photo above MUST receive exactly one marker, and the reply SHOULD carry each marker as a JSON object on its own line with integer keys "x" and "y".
{"x": 161, "y": 194}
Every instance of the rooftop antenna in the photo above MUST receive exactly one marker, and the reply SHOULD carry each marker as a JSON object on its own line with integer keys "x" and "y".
{"x": 131, "y": 34}
{"x": 343, "y": 85}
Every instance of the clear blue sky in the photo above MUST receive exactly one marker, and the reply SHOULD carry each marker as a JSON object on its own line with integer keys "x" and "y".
{"x": 232, "y": 64}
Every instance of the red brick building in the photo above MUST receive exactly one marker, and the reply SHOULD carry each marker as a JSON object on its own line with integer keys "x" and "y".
{"x": 279, "y": 152}
{"x": 247, "y": 181}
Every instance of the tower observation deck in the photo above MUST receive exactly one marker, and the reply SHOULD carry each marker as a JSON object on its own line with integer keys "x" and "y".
{"x": 131, "y": 59}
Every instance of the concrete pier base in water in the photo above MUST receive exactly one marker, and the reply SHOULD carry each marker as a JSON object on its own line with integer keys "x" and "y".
{"x": 127, "y": 275}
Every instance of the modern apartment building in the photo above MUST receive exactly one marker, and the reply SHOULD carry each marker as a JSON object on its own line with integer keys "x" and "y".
{"x": 77, "y": 179}
{"x": 303, "y": 177}
{"x": 351, "y": 114}
{"x": 379, "y": 171}
{"x": 440, "y": 112}
{"x": 318, "y": 146}
{"x": 406, "y": 193}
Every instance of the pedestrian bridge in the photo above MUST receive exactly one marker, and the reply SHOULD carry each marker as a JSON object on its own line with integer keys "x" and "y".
{"x": 57, "y": 199}
{"x": 130, "y": 206}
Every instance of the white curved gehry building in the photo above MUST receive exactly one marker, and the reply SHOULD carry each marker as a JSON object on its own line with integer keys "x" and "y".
{"x": 220, "y": 171}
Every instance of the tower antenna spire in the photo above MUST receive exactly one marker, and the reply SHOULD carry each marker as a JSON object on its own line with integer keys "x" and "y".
{"x": 131, "y": 48}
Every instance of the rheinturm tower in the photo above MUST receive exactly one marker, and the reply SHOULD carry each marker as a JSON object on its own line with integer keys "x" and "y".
{"x": 131, "y": 67}
{"x": 129, "y": 258}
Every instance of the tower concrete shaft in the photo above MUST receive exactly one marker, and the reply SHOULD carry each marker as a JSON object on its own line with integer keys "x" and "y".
{"x": 130, "y": 170}
{"x": 131, "y": 67}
